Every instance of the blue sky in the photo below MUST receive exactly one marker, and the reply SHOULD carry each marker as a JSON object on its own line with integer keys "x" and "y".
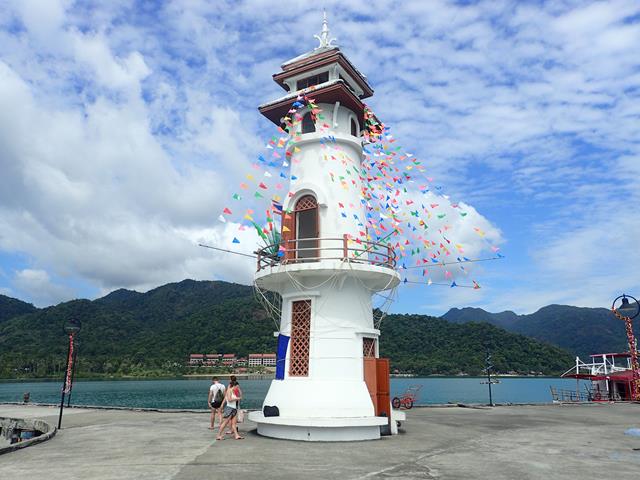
{"x": 125, "y": 125}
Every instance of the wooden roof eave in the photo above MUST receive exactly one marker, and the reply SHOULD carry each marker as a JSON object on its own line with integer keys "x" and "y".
{"x": 337, "y": 92}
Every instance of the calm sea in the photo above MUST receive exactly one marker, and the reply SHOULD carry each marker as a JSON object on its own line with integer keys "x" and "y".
{"x": 190, "y": 393}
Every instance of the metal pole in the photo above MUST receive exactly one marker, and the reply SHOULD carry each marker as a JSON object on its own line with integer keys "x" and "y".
{"x": 64, "y": 381}
{"x": 488, "y": 367}
{"x": 489, "y": 382}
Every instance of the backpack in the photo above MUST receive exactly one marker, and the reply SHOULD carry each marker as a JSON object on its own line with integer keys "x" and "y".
{"x": 271, "y": 411}
{"x": 219, "y": 396}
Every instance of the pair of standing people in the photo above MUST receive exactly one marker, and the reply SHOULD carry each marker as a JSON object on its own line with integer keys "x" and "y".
{"x": 225, "y": 403}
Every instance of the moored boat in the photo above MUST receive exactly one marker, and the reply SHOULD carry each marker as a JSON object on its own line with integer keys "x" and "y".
{"x": 610, "y": 375}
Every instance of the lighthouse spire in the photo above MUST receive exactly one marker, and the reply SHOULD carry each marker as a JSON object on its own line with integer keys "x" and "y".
{"x": 324, "y": 38}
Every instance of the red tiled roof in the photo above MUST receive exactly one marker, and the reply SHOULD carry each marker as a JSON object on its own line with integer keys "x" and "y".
{"x": 196, "y": 355}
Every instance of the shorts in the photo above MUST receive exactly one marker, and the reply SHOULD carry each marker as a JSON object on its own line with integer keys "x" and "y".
{"x": 229, "y": 412}
{"x": 216, "y": 404}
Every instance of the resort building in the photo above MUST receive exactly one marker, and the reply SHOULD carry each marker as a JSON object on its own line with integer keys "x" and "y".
{"x": 212, "y": 359}
{"x": 196, "y": 359}
{"x": 262, "y": 359}
{"x": 229, "y": 359}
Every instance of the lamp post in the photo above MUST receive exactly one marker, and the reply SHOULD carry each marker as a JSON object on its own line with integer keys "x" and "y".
{"x": 627, "y": 311}
{"x": 72, "y": 328}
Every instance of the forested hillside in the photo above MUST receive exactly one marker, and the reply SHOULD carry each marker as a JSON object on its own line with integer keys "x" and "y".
{"x": 131, "y": 333}
{"x": 430, "y": 345}
{"x": 11, "y": 307}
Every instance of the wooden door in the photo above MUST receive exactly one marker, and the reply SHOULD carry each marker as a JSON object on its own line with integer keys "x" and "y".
{"x": 383, "y": 387}
{"x": 300, "y": 333}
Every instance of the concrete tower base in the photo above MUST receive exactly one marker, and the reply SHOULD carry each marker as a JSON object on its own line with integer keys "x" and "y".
{"x": 319, "y": 429}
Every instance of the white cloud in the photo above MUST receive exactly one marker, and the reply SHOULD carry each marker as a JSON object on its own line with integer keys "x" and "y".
{"x": 92, "y": 193}
{"x": 123, "y": 132}
{"x": 36, "y": 286}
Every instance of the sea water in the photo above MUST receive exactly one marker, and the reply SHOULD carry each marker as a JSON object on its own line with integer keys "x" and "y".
{"x": 192, "y": 393}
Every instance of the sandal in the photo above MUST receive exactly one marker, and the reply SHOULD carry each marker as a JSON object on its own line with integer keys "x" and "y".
{"x": 219, "y": 438}
{"x": 239, "y": 438}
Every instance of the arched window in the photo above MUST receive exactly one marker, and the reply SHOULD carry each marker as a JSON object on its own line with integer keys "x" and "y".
{"x": 354, "y": 127}
{"x": 308, "y": 125}
{"x": 307, "y": 228}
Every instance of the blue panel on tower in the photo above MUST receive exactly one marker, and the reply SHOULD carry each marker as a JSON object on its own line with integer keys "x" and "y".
{"x": 281, "y": 356}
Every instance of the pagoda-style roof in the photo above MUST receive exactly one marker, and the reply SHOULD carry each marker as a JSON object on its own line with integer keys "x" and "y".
{"x": 319, "y": 58}
{"x": 288, "y": 64}
{"x": 327, "y": 92}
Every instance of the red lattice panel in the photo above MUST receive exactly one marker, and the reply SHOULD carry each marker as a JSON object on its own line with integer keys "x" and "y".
{"x": 308, "y": 202}
{"x": 368, "y": 347}
{"x": 300, "y": 331}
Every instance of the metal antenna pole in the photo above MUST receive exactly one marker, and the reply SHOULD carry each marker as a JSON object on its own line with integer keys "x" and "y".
{"x": 488, "y": 367}
{"x": 227, "y": 251}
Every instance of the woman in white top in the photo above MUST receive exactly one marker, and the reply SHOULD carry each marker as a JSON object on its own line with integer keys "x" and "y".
{"x": 232, "y": 397}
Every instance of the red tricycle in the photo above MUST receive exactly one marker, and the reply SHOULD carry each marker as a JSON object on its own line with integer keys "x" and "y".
{"x": 408, "y": 398}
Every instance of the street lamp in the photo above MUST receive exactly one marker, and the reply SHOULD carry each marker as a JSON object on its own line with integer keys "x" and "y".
{"x": 626, "y": 308}
{"x": 71, "y": 329}
{"x": 626, "y": 312}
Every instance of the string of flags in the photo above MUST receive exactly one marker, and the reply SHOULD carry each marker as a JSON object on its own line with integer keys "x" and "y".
{"x": 403, "y": 207}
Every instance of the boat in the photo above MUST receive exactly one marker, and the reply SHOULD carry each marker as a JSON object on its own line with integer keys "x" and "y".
{"x": 610, "y": 375}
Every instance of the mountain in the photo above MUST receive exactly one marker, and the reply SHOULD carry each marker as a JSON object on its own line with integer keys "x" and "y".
{"x": 152, "y": 333}
{"x": 128, "y": 332}
{"x": 580, "y": 330}
{"x": 469, "y": 314}
{"x": 11, "y": 307}
{"x": 430, "y": 345}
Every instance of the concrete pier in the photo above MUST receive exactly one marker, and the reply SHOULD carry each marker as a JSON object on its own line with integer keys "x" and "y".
{"x": 515, "y": 442}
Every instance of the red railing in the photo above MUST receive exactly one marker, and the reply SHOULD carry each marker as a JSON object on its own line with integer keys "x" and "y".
{"x": 318, "y": 249}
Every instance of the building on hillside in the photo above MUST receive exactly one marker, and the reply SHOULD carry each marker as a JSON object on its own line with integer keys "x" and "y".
{"x": 255, "y": 359}
{"x": 212, "y": 359}
{"x": 229, "y": 359}
{"x": 269, "y": 359}
{"x": 262, "y": 359}
{"x": 241, "y": 362}
{"x": 196, "y": 359}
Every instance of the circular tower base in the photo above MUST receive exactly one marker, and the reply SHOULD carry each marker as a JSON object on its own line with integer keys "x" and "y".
{"x": 319, "y": 429}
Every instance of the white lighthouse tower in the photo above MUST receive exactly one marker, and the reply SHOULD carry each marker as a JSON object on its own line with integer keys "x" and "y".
{"x": 330, "y": 385}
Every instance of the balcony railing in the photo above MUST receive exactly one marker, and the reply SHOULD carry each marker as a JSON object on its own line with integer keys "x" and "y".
{"x": 317, "y": 249}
